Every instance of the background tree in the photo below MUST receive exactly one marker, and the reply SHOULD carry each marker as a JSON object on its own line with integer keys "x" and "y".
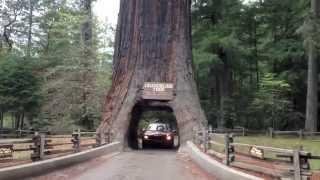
{"x": 51, "y": 36}
{"x": 257, "y": 39}
{"x": 312, "y": 44}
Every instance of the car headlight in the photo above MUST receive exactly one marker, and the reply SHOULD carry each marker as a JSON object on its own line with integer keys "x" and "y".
{"x": 146, "y": 137}
{"x": 168, "y": 137}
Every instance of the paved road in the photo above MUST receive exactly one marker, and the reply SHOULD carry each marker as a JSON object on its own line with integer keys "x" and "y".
{"x": 134, "y": 165}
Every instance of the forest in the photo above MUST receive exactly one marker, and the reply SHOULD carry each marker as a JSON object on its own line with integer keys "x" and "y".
{"x": 255, "y": 63}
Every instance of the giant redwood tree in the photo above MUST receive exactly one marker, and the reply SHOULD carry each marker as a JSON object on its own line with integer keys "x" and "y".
{"x": 153, "y": 44}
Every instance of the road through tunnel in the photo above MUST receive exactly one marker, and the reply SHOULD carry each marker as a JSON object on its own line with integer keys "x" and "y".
{"x": 160, "y": 121}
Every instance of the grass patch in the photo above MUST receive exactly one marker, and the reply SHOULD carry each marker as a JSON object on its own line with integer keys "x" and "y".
{"x": 312, "y": 146}
{"x": 7, "y": 120}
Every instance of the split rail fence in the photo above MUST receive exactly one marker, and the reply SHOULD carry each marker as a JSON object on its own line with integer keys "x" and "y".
{"x": 270, "y": 161}
{"x": 44, "y": 145}
{"x": 270, "y": 132}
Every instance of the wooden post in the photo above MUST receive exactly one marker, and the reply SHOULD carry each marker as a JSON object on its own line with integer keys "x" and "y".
{"x": 19, "y": 133}
{"x": 231, "y": 149}
{"x": 271, "y": 134}
{"x": 79, "y": 137}
{"x": 227, "y": 143}
{"x": 209, "y": 142}
{"x": 296, "y": 165}
{"x": 210, "y": 129}
{"x": 76, "y": 141}
{"x": 209, "y": 137}
{"x": 42, "y": 146}
{"x": 38, "y": 147}
{"x": 301, "y": 134}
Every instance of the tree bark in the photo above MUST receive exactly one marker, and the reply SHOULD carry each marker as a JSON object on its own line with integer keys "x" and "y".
{"x": 153, "y": 44}
{"x": 311, "y": 123}
{"x": 30, "y": 19}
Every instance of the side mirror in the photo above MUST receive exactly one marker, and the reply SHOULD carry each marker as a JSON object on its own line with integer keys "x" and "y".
{"x": 174, "y": 131}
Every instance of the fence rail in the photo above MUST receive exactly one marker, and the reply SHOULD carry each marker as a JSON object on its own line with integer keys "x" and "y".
{"x": 241, "y": 131}
{"x": 299, "y": 133}
{"x": 41, "y": 146}
{"x": 295, "y": 162}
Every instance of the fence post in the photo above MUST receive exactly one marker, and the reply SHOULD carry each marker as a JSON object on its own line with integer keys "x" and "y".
{"x": 42, "y": 145}
{"x": 301, "y": 134}
{"x": 271, "y": 134}
{"x": 76, "y": 140}
{"x": 210, "y": 128}
{"x": 19, "y": 133}
{"x": 209, "y": 142}
{"x": 229, "y": 149}
{"x": 304, "y": 163}
{"x": 227, "y": 143}
{"x": 35, "y": 155}
{"x": 296, "y": 165}
{"x": 38, "y": 147}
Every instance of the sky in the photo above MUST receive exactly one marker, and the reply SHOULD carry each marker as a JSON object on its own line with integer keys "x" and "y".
{"x": 107, "y": 10}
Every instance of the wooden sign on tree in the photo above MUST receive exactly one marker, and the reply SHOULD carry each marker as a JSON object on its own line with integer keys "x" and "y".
{"x": 158, "y": 91}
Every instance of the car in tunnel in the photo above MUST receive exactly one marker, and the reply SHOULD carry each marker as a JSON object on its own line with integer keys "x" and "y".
{"x": 158, "y": 134}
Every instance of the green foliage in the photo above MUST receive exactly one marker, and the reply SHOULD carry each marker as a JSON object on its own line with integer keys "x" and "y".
{"x": 75, "y": 73}
{"x": 19, "y": 85}
{"x": 250, "y": 62}
{"x": 271, "y": 103}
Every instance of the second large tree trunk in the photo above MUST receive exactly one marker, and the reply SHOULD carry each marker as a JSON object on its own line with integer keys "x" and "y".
{"x": 153, "y": 44}
{"x": 311, "y": 123}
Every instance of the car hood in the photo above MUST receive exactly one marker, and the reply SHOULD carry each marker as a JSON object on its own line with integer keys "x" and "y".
{"x": 150, "y": 133}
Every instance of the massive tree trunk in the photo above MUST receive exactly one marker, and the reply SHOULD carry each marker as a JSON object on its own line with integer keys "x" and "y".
{"x": 311, "y": 123}
{"x": 153, "y": 44}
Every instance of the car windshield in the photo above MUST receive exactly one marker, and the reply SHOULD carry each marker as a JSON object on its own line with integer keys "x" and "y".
{"x": 156, "y": 127}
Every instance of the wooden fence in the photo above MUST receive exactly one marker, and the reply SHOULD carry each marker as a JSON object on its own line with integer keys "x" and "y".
{"x": 45, "y": 145}
{"x": 241, "y": 131}
{"x": 254, "y": 158}
{"x": 299, "y": 133}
